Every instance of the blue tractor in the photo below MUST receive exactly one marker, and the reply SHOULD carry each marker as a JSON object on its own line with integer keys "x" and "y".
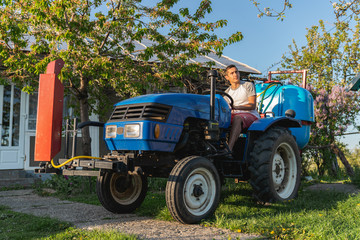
{"x": 183, "y": 137}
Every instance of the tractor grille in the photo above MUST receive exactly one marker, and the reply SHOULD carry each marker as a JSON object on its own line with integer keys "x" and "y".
{"x": 148, "y": 111}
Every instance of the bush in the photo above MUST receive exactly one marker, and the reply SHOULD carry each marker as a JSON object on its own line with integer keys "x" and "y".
{"x": 356, "y": 178}
{"x": 70, "y": 184}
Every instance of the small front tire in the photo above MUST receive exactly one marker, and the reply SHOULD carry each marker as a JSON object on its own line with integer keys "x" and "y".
{"x": 193, "y": 190}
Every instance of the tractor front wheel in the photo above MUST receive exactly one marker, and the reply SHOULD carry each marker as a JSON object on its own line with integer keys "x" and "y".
{"x": 193, "y": 190}
{"x": 275, "y": 166}
{"x": 121, "y": 193}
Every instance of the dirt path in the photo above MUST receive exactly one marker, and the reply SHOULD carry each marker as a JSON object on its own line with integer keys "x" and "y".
{"x": 338, "y": 187}
{"x": 96, "y": 217}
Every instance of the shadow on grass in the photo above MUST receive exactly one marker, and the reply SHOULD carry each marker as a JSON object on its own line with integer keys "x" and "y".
{"x": 237, "y": 202}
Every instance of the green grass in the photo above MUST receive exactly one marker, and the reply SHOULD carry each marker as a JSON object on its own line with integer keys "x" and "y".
{"x": 313, "y": 215}
{"x": 72, "y": 233}
{"x": 356, "y": 178}
{"x": 21, "y": 226}
{"x": 154, "y": 205}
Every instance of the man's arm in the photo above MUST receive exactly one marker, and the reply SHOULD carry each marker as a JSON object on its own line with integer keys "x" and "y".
{"x": 250, "y": 106}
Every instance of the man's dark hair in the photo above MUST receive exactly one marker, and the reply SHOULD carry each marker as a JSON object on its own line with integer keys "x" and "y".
{"x": 228, "y": 67}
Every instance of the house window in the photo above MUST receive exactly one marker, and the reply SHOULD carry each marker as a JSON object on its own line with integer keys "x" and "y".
{"x": 10, "y": 116}
{"x": 32, "y": 111}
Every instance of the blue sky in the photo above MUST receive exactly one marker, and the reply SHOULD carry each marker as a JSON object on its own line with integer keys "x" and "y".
{"x": 267, "y": 39}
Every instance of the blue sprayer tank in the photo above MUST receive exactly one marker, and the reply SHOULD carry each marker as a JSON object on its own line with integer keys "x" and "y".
{"x": 274, "y": 99}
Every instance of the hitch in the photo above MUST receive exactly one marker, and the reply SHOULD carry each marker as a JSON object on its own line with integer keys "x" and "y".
{"x": 47, "y": 168}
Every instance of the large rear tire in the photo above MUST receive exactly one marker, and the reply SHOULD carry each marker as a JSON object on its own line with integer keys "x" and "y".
{"x": 193, "y": 190}
{"x": 275, "y": 166}
{"x": 121, "y": 194}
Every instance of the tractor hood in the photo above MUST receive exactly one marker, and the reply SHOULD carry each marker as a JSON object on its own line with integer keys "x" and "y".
{"x": 185, "y": 105}
{"x": 186, "y": 101}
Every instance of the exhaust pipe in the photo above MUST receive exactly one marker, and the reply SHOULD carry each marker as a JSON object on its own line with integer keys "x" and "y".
{"x": 213, "y": 74}
{"x": 212, "y": 130}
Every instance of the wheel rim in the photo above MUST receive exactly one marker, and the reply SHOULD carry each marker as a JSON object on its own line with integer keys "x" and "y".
{"x": 199, "y": 191}
{"x": 125, "y": 189}
{"x": 284, "y": 170}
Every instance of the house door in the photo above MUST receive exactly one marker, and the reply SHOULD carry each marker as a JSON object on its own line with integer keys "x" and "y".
{"x": 11, "y": 126}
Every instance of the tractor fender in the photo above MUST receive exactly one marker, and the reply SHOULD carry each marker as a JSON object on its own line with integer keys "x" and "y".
{"x": 263, "y": 124}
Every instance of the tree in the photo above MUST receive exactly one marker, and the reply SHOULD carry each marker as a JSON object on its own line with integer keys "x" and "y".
{"x": 342, "y": 8}
{"x": 332, "y": 62}
{"x": 98, "y": 45}
{"x": 271, "y": 12}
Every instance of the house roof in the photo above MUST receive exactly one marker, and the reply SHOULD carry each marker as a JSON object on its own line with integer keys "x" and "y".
{"x": 219, "y": 62}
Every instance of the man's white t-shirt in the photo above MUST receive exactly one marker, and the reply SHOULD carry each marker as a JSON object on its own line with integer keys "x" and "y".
{"x": 241, "y": 96}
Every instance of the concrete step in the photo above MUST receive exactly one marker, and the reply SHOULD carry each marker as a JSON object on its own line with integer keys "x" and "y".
{"x": 24, "y": 182}
{"x": 12, "y": 178}
{"x": 13, "y": 174}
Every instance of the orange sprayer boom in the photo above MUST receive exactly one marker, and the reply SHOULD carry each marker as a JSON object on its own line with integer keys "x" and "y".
{"x": 49, "y": 113}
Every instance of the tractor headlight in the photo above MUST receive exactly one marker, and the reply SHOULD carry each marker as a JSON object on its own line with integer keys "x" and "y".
{"x": 157, "y": 131}
{"x": 110, "y": 131}
{"x": 132, "y": 130}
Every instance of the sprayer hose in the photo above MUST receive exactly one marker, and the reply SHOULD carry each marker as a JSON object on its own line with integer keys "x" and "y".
{"x": 71, "y": 159}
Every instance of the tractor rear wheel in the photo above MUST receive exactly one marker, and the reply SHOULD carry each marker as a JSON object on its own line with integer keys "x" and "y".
{"x": 193, "y": 190}
{"x": 275, "y": 166}
{"x": 121, "y": 193}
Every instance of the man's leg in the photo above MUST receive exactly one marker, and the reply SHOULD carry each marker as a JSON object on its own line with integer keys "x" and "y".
{"x": 236, "y": 128}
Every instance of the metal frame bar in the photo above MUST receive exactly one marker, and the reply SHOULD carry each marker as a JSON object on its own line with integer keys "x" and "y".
{"x": 303, "y": 72}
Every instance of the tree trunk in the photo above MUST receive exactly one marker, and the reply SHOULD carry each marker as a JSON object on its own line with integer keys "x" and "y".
{"x": 84, "y": 116}
{"x": 333, "y": 163}
{"x": 341, "y": 155}
{"x": 319, "y": 164}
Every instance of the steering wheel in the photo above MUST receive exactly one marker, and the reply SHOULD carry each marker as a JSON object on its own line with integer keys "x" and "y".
{"x": 222, "y": 93}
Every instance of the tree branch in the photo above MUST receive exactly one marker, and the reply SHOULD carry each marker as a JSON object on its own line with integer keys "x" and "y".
{"x": 66, "y": 19}
{"x": 108, "y": 33}
{"x": 269, "y": 12}
{"x": 341, "y": 155}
